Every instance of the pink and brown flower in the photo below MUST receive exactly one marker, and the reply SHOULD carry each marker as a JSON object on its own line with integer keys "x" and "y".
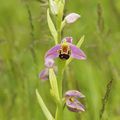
{"x": 65, "y": 50}
{"x": 72, "y": 102}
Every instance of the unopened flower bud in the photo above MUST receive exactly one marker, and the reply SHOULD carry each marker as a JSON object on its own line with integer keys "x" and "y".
{"x": 53, "y": 7}
{"x": 72, "y": 17}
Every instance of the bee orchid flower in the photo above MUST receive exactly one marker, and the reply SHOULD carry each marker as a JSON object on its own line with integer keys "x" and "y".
{"x": 65, "y": 50}
{"x": 72, "y": 102}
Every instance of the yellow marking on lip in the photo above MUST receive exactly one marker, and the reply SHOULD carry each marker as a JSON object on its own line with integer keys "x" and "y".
{"x": 71, "y": 99}
{"x": 65, "y": 47}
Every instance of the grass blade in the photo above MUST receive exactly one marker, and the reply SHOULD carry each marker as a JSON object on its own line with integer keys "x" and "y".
{"x": 43, "y": 107}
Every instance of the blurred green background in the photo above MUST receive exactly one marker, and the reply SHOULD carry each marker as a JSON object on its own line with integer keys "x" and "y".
{"x": 24, "y": 39}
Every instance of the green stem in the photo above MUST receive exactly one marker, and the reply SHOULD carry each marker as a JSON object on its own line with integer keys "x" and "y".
{"x": 61, "y": 64}
{"x": 59, "y": 21}
{"x": 59, "y": 18}
{"x": 59, "y": 112}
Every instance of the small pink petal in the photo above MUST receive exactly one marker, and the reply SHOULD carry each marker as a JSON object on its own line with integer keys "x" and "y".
{"x": 77, "y": 53}
{"x": 44, "y": 75}
{"x": 67, "y": 39}
{"x": 74, "y": 93}
{"x": 49, "y": 63}
{"x": 53, "y": 52}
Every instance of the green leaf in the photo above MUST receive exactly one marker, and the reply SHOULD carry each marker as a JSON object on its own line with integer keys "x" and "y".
{"x": 43, "y": 107}
{"x": 63, "y": 24}
{"x": 52, "y": 27}
{"x": 80, "y": 41}
{"x": 78, "y": 45}
{"x": 54, "y": 85}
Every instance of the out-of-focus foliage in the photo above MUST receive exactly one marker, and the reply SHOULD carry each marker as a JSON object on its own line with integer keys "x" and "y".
{"x": 24, "y": 39}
